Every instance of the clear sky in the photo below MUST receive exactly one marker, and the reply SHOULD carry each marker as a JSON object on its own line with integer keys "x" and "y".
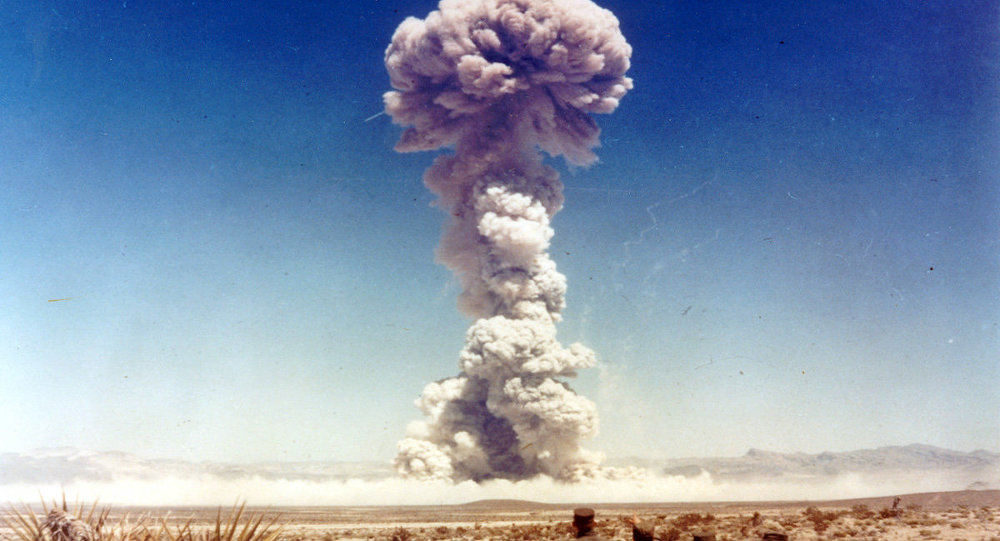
{"x": 210, "y": 251}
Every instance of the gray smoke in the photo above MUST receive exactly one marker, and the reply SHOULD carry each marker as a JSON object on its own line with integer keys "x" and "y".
{"x": 497, "y": 80}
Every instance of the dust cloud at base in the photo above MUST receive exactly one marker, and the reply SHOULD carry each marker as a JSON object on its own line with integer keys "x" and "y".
{"x": 214, "y": 491}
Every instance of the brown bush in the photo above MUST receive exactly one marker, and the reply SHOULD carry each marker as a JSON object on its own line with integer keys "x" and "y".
{"x": 861, "y": 512}
{"x": 687, "y": 520}
{"x": 401, "y": 534}
{"x": 890, "y": 513}
{"x": 672, "y": 534}
{"x": 821, "y": 519}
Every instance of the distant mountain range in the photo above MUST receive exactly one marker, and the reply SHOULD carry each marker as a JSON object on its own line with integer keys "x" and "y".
{"x": 980, "y": 469}
{"x": 979, "y": 466}
{"x": 67, "y": 464}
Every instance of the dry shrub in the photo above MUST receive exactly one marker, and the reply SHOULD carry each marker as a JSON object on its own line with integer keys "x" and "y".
{"x": 862, "y": 512}
{"x": 687, "y": 520}
{"x": 747, "y": 526}
{"x": 821, "y": 519}
{"x": 888, "y": 512}
{"x": 401, "y": 534}
{"x": 672, "y": 534}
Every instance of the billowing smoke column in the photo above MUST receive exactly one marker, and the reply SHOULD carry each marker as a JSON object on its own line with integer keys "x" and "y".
{"x": 497, "y": 80}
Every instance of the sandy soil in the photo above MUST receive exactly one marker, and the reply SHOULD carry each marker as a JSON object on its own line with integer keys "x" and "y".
{"x": 949, "y": 516}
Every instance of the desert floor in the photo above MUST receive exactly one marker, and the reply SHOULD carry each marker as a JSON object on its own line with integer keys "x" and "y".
{"x": 966, "y": 515}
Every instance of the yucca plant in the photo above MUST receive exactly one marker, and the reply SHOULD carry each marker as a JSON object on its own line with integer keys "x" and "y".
{"x": 58, "y": 524}
{"x": 61, "y": 524}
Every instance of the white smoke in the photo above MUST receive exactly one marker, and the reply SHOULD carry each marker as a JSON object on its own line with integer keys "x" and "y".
{"x": 497, "y": 80}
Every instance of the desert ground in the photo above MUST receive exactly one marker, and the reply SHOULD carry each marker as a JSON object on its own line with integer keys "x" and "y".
{"x": 950, "y": 516}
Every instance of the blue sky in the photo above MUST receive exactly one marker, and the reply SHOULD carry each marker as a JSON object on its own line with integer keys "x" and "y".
{"x": 790, "y": 241}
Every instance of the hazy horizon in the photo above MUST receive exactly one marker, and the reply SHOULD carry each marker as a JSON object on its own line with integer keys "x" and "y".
{"x": 209, "y": 250}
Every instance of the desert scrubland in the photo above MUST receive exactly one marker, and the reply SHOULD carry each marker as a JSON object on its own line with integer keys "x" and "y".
{"x": 950, "y": 516}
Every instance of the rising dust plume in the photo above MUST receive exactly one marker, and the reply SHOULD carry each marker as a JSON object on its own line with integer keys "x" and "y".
{"x": 497, "y": 80}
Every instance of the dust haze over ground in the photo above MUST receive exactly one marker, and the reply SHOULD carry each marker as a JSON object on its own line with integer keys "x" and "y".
{"x": 125, "y": 479}
{"x": 496, "y": 80}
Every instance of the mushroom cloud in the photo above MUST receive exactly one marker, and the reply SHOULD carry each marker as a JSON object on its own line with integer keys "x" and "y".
{"x": 497, "y": 80}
